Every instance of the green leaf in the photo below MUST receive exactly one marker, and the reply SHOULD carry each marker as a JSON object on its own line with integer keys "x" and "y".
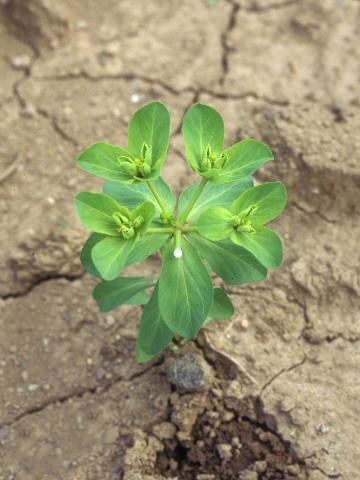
{"x": 140, "y": 298}
{"x": 185, "y": 290}
{"x": 101, "y": 159}
{"x": 95, "y": 211}
{"x": 146, "y": 246}
{"x": 154, "y": 335}
{"x": 232, "y": 263}
{"x": 219, "y": 195}
{"x": 85, "y": 254}
{"x": 109, "y": 295}
{"x": 264, "y": 244}
{"x": 269, "y": 198}
{"x": 222, "y": 307}
{"x": 243, "y": 159}
{"x": 133, "y": 195}
{"x": 147, "y": 211}
{"x": 150, "y": 125}
{"x": 215, "y": 223}
{"x": 110, "y": 256}
{"x": 141, "y": 357}
{"x": 202, "y": 127}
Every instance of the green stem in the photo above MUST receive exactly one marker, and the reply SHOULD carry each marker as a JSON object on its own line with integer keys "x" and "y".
{"x": 156, "y": 195}
{"x": 186, "y": 213}
{"x": 178, "y": 238}
{"x": 189, "y": 230}
{"x": 160, "y": 230}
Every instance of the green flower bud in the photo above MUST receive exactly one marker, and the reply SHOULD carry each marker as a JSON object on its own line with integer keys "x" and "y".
{"x": 205, "y": 165}
{"x": 146, "y": 153}
{"x": 245, "y": 228}
{"x": 220, "y": 161}
{"x": 248, "y": 211}
{"x": 127, "y": 232}
{"x": 145, "y": 169}
{"x": 129, "y": 168}
{"x": 120, "y": 219}
{"x": 235, "y": 221}
{"x": 138, "y": 221}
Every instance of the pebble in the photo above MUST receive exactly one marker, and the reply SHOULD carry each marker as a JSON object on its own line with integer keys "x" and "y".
{"x": 82, "y": 24}
{"x": 322, "y": 428}
{"x": 32, "y": 387}
{"x": 164, "y": 431}
{"x": 24, "y": 375}
{"x": 190, "y": 373}
{"x": 224, "y": 451}
{"x": 21, "y": 61}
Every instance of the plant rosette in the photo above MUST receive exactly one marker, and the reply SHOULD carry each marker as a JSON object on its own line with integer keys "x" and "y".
{"x": 216, "y": 225}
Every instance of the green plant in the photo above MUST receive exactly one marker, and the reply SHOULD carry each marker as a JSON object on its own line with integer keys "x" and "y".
{"x": 217, "y": 224}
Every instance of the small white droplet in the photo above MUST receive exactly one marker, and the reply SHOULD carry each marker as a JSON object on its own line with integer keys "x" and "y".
{"x": 177, "y": 252}
{"x": 135, "y": 98}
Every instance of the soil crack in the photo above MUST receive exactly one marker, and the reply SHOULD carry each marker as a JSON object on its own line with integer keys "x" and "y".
{"x": 281, "y": 372}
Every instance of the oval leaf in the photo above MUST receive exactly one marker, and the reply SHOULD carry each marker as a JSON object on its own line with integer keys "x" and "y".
{"x": 232, "y": 263}
{"x": 185, "y": 290}
{"x": 95, "y": 211}
{"x": 202, "y": 127}
{"x": 109, "y": 295}
{"x": 269, "y": 198}
{"x": 150, "y": 125}
{"x": 133, "y": 195}
{"x": 110, "y": 256}
{"x": 264, "y": 244}
{"x": 219, "y": 195}
{"x": 222, "y": 307}
{"x": 154, "y": 335}
{"x": 243, "y": 159}
{"x": 85, "y": 255}
{"x": 101, "y": 159}
{"x": 215, "y": 223}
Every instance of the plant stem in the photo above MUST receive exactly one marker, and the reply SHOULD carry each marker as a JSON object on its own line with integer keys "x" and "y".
{"x": 156, "y": 195}
{"x": 186, "y": 213}
{"x": 178, "y": 238}
{"x": 161, "y": 230}
{"x": 189, "y": 230}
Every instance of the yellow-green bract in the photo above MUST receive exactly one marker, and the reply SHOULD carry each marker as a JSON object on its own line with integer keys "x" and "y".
{"x": 217, "y": 224}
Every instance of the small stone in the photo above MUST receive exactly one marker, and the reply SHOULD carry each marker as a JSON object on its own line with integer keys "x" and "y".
{"x": 235, "y": 442}
{"x": 173, "y": 464}
{"x": 110, "y": 320}
{"x": 100, "y": 374}
{"x": 228, "y": 416}
{"x": 50, "y": 200}
{"x": 224, "y": 451}
{"x": 244, "y": 323}
{"x": 261, "y": 466}
{"x": 21, "y": 61}
{"x": 293, "y": 470}
{"x": 164, "y": 431}
{"x": 32, "y": 387}
{"x": 248, "y": 475}
{"x": 190, "y": 373}
{"x": 322, "y": 428}
{"x": 24, "y": 375}
{"x": 82, "y": 24}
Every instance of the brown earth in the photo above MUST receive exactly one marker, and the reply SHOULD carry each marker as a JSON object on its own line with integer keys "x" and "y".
{"x": 283, "y": 399}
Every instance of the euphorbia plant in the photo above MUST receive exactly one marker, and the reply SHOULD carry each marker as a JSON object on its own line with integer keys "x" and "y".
{"x": 216, "y": 224}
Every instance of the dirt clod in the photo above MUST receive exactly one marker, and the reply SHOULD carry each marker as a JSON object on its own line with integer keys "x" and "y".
{"x": 190, "y": 373}
{"x": 241, "y": 447}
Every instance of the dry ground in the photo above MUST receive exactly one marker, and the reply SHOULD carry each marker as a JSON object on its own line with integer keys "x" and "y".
{"x": 285, "y": 385}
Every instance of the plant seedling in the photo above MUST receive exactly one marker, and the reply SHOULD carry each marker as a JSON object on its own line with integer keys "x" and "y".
{"x": 217, "y": 224}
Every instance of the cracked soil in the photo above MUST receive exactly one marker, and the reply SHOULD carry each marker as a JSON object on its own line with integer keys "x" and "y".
{"x": 283, "y": 400}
